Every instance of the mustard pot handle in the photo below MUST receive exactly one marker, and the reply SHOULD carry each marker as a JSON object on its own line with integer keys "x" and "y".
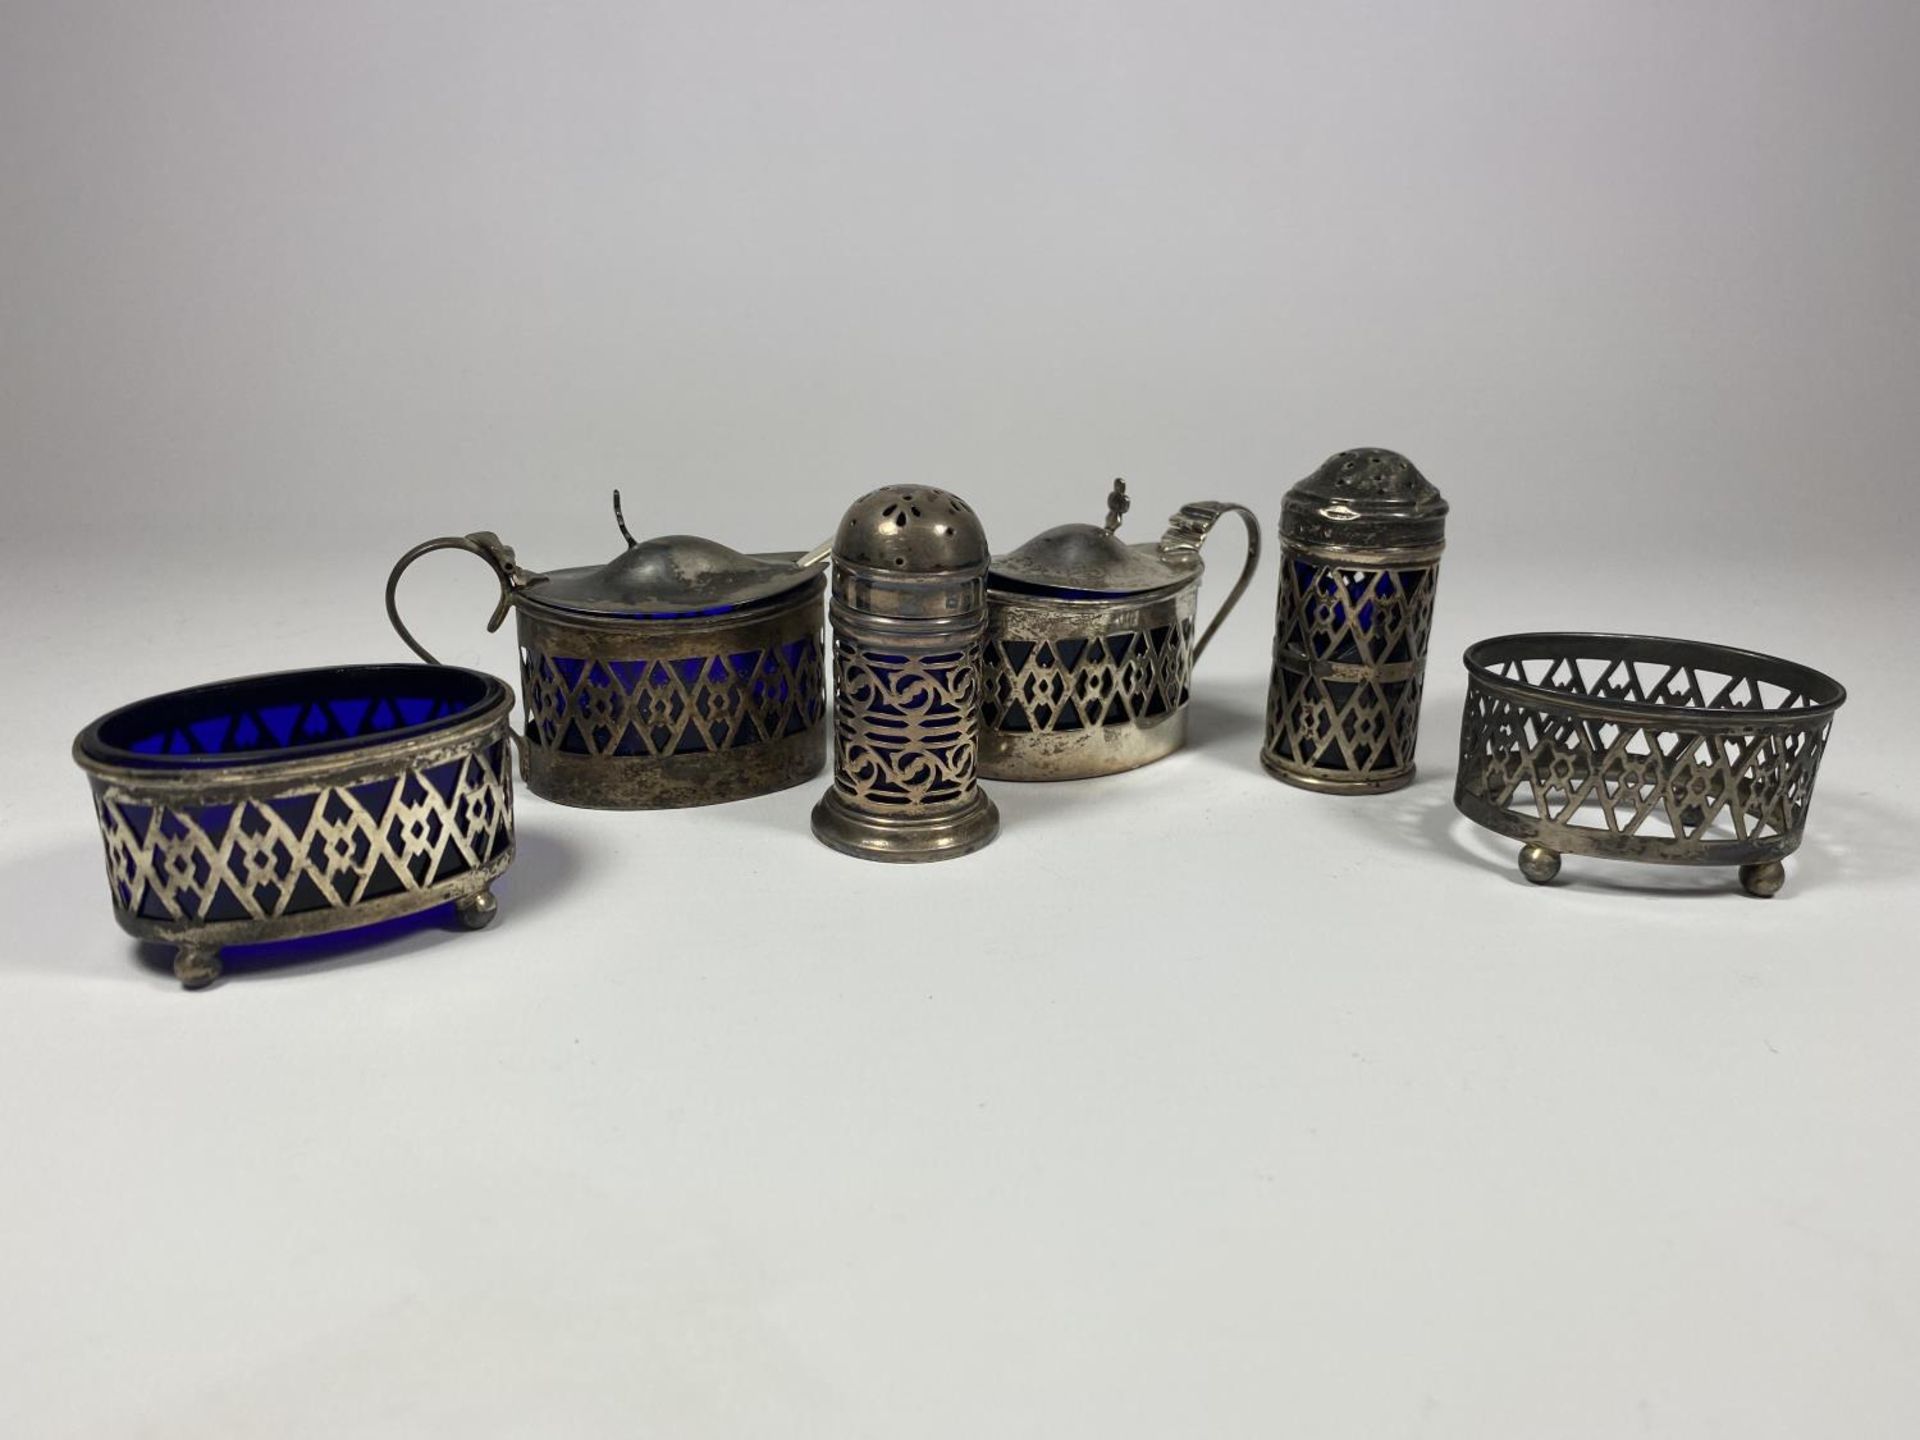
{"x": 1188, "y": 530}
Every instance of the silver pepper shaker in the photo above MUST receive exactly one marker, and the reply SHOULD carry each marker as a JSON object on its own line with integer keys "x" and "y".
{"x": 1360, "y": 554}
{"x": 909, "y": 614}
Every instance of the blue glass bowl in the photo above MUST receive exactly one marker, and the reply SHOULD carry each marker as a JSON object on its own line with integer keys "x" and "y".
{"x": 301, "y": 802}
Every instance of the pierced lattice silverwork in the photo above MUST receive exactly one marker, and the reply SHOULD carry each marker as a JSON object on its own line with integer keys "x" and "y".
{"x": 1642, "y": 749}
{"x": 1076, "y": 682}
{"x": 1361, "y": 543}
{"x": 681, "y": 672}
{"x": 1348, "y": 667}
{"x": 294, "y": 804}
{"x": 333, "y": 848}
{"x": 698, "y": 704}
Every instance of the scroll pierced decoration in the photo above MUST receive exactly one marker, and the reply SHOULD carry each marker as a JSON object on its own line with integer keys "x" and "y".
{"x": 906, "y": 728}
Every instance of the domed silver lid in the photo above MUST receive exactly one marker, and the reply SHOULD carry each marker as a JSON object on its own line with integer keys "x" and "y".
{"x": 1365, "y": 499}
{"x": 914, "y": 529}
{"x": 671, "y": 577}
{"x": 1092, "y": 560}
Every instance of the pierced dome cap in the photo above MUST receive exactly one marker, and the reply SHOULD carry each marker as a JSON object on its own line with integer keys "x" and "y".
{"x": 1365, "y": 499}
{"x": 911, "y": 528}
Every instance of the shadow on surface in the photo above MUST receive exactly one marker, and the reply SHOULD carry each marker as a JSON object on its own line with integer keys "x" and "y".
{"x": 1859, "y": 838}
{"x": 788, "y": 814}
{"x": 1848, "y": 838}
{"x": 545, "y": 867}
{"x": 1226, "y": 723}
{"x": 1027, "y": 805}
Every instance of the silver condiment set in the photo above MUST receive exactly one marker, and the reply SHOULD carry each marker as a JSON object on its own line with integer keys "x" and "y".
{"x": 685, "y": 672}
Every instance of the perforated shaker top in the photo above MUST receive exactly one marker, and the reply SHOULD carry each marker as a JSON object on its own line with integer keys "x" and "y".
{"x": 911, "y": 529}
{"x": 1365, "y": 499}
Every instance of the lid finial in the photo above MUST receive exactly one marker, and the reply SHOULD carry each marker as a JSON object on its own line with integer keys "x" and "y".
{"x": 621, "y": 520}
{"x": 1117, "y": 505}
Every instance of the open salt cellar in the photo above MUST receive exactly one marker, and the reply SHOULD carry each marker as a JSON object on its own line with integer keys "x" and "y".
{"x": 301, "y": 803}
{"x": 1632, "y": 747}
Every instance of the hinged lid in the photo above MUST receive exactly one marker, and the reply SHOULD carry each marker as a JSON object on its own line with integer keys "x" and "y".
{"x": 1365, "y": 500}
{"x": 1092, "y": 560}
{"x": 670, "y": 578}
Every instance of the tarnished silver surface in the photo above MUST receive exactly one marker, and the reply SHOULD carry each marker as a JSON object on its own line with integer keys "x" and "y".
{"x": 672, "y": 577}
{"x": 256, "y": 841}
{"x": 909, "y": 612}
{"x": 1631, "y": 747}
{"x": 1360, "y": 554}
{"x": 1367, "y": 499}
{"x": 680, "y": 673}
{"x": 1090, "y": 644}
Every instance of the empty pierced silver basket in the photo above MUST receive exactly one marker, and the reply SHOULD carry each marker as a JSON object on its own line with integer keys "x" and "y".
{"x": 1629, "y": 747}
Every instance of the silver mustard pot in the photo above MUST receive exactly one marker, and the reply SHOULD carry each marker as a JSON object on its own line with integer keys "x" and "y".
{"x": 682, "y": 672}
{"x": 1090, "y": 644}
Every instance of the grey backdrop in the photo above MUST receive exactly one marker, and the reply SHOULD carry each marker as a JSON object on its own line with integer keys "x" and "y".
{"x": 1619, "y": 276}
{"x": 1196, "y": 1105}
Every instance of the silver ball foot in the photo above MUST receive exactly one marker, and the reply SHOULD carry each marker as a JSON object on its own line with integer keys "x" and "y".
{"x": 476, "y": 912}
{"x": 196, "y": 966}
{"x": 1763, "y": 880}
{"x": 1538, "y": 863}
